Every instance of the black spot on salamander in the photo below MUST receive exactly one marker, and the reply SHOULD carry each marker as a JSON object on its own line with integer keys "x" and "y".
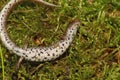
{"x": 31, "y": 49}
{"x": 41, "y": 52}
{"x": 62, "y": 50}
{"x": 26, "y": 55}
{"x": 53, "y": 54}
{"x": 6, "y": 38}
{"x": 15, "y": 1}
{"x": 3, "y": 15}
{"x": 30, "y": 52}
{"x": 70, "y": 31}
{"x": 33, "y": 52}
{"x": 26, "y": 50}
{"x": 69, "y": 34}
{"x": 48, "y": 54}
{"x": 5, "y": 8}
{"x": 10, "y": 4}
{"x": 45, "y": 58}
{"x": 56, "y": 50}
{"x": 40, "y": 49}
{"x": 9, "y": 42}
{"x": 37, "y": 51}
{"x": 4, "y": 11}
{"x": 66, "y": 42}
{"x": 38, "y": 54}
{"x": 50, "y": 48}
{"x": 33, "y": 57}
{"x": 68, "y": 38}
{"x": 62, "y": 44}
{"x": 61, "y": 47}
{"x": 16, "y": 51}
{"x": 4, "y": 32}
{"x": 57, "y": 55}
{"x": 46, "y": 48}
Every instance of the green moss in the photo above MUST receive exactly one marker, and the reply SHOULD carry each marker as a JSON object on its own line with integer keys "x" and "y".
{"x": 91, "y": 56}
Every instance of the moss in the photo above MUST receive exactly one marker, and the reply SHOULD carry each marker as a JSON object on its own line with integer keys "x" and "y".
{"x": 94, "y": 53}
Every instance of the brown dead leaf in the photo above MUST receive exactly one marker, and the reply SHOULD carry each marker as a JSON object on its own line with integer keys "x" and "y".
{"x": 117, "y": 56}
{"x": 38, "y": 40}
{"x": 90, "y": 1}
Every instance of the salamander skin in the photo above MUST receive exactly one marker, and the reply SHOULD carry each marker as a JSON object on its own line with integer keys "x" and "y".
{"x": 40, "y": 54}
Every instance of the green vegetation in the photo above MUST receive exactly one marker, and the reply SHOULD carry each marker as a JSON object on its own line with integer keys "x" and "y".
{"x": 94, "y": 53}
